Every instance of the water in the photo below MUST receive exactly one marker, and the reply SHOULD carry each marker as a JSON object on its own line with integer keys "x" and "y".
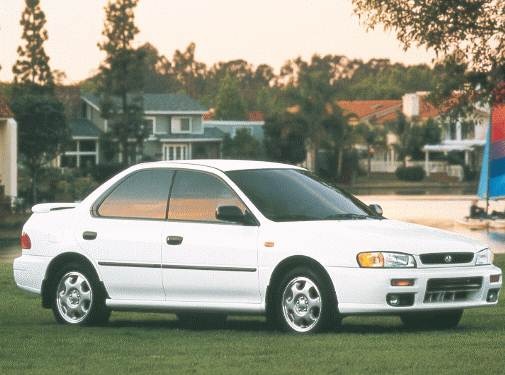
{"x": 439, "y": 212}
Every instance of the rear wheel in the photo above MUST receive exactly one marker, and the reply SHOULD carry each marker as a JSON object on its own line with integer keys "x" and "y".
{"x": 304, "y": 302}
{"x": 433, "y": 319}
{"x": 78, "y": 297}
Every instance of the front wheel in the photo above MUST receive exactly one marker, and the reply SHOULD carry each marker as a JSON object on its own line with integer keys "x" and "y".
{"x": 78, "y": 297}
{"x": 304, "y": 302}
{"x": 432, "y": 319}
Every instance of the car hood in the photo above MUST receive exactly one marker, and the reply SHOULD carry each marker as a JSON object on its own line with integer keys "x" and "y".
{"x": 382, "y": 235}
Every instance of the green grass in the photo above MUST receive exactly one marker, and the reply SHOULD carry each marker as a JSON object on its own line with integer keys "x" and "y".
{"x": 31, "y": 342}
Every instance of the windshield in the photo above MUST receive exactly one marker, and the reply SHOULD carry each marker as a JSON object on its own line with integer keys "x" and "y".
{"x": 296, "y": 195}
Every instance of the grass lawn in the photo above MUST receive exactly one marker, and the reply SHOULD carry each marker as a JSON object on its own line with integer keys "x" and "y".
{"x": 31, "y": 342}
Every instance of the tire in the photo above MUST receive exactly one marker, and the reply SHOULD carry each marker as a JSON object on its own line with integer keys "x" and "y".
{"x": 304, "y": 302}
{"x": 202, "y": 320}
{"x": 77, "y": 296}
{"x": 432, "y": 320}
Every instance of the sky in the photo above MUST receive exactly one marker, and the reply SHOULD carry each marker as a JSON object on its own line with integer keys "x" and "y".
{"x": 259, "y": 31}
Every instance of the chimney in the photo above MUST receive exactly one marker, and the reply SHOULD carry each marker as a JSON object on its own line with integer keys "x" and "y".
{"x": 410, "y": 105}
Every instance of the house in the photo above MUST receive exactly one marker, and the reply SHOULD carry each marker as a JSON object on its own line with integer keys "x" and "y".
{"x": 459, "y": 135}
{"x": 175, "y": 131}
{"x": 8, "y": 152}
{"x": 254, "y": 124}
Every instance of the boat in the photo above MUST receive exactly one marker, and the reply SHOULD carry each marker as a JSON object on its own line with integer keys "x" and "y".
{"x": 492, "y": 175}
{"x": 474, "y": 224}
{"x": 497, "y": 224}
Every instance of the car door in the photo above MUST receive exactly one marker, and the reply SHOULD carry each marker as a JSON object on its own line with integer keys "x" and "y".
{"x": 203, "y": 258}
{"x": 123, "y": 233}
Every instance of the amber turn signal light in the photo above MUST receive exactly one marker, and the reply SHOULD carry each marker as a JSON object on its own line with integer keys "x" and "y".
{"x": 371, "y": 260}
{"x": 402, "y": 282}
{"x": 494, "y": 278}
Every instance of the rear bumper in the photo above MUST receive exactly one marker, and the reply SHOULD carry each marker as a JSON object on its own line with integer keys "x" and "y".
{"x": 364, "y": 291}
{"x": 29, "y": 272}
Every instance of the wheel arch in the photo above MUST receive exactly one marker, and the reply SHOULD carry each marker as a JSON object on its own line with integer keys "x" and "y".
{"x": 55, "y": 264}
{"x": 284, "y": 266}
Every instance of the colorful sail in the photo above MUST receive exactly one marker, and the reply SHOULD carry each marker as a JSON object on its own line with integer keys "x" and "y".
{"x": 493, "y": 161}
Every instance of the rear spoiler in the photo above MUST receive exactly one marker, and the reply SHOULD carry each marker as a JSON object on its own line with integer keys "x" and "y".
{"x": 48, "y": 207}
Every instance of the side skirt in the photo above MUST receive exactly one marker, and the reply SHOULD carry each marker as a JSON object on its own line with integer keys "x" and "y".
{"x": 177, "y": 306}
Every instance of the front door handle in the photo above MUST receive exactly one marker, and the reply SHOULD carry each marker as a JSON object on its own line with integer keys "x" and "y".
{"x": 88, "y": 235}
{"x": 174, "y": 240}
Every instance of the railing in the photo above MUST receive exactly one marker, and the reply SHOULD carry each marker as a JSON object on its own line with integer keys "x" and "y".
{"x": 380, "y": 166}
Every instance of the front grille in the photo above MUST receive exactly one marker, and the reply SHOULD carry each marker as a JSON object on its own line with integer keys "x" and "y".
{"x": 451, "y": 290}
{"x": 446, "y": 258}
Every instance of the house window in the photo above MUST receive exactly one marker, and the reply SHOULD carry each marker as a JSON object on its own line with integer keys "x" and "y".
{"x": 149, "y": 125}
{"x": 181, "y": 125}
{"x": 80, "y": 153}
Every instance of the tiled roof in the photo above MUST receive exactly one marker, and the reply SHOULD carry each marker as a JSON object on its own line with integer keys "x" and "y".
{"x": 83, "y": 128}
{"x": 379, "y": 110}
{"x": 160, "y": 102}
{"x": 251, "y": 116}
{"x": 426, "y": 109}
{"x": 5, "y": 111}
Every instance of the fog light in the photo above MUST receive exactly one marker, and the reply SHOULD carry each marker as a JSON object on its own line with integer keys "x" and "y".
{"x": 402, "y": 282}
{"x": 492, "y": 295}
{"x": 400, "y": 299}
{"x": 394, "y": 299}
{"x": 494, "y": 278}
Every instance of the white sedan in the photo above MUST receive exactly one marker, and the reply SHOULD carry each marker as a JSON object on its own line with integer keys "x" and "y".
{"x": 208, "y": 238}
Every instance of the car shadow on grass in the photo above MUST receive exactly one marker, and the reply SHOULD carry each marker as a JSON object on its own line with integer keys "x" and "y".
{"x": 260, "y": 325}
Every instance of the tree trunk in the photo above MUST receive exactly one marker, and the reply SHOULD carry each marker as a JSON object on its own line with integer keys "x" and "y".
{"x": 34, "y": 186}
{"x": 340, "y": 156}
{"x": 369, "y": 161}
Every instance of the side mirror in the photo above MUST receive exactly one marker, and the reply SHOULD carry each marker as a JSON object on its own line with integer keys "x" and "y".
{"x": 377, "y": 209}
{"x": 230, "y": 213}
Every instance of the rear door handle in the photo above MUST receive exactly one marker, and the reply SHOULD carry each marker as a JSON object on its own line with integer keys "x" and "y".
{"x": 174, "y": 240}
{"x": 88, "y": 235}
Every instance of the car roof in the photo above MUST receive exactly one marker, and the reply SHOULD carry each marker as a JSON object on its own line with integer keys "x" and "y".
{"x": 225, "y": 164}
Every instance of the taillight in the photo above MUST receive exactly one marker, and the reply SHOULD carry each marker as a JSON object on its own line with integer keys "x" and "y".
{"x": 25, "y": 241}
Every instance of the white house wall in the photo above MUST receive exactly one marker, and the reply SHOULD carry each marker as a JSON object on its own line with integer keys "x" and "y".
{"x": 8, "y": 157}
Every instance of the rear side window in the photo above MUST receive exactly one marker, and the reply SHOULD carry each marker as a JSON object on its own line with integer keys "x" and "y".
{"x": 196, "y": 196}
{"x": 142, "y": 195}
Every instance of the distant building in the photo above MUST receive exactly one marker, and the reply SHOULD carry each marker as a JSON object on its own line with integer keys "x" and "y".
{"x": 8, "y": 152}
{"x": 460, "y": 135}
{"x": 254, "y": 125}
{"x": 175, "y": 132}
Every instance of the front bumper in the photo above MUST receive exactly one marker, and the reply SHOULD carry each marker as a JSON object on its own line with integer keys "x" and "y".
{"x": 29, "y": 272}
{"x": 364, "y": 291}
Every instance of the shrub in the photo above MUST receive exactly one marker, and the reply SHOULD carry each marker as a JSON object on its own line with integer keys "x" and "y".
{"x": 102, "y": 172}
{"x": 410, "y": 173}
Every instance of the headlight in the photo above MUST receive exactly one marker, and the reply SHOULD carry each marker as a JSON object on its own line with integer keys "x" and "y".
{"x": 386, "y": 260}
{"x": 484, "y": 257}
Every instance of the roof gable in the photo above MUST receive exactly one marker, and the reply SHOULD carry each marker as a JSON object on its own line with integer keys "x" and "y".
{"x": 158, "y": 103}
{"x": 379, "y": 110}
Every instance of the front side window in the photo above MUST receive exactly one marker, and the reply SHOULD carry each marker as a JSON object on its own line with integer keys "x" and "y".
{"x": 148, "y": 123}
{"x": 295, "y": 195}
{"x": 142, "y": 195}
{"x": 196, "y": 196}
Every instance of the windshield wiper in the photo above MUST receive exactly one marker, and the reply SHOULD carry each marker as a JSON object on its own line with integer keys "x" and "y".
{"x": 347, "y": 216}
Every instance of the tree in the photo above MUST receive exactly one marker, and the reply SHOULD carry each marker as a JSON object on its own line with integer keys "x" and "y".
{"x": 32, "y": 65}
{"x": 42, "y": 127}
{"x": 372, "y": 136}
{"x": 472, "y": 32}
{"x": 121, "y": 78}
{"x": 229, "y": 103}
{"x": 285, "y": 138}
{"x": 188, "y": 72}
{"x": 242, "y": 146}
